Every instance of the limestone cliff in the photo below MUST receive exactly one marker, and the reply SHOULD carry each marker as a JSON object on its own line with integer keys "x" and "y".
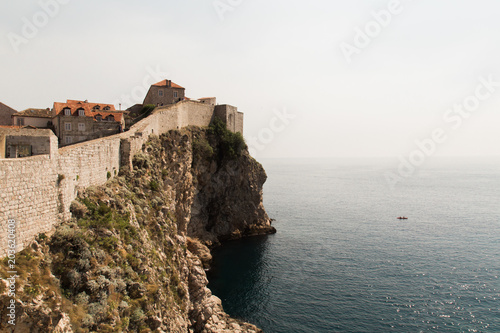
{"x": 133, "y": 258}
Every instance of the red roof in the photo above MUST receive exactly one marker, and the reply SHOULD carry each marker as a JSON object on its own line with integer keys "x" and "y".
{"x": 91, "y": 109}
{"x": 164, "y": 84}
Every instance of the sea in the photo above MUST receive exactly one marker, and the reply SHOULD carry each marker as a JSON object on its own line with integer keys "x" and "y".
{"x": 341, "y": 261}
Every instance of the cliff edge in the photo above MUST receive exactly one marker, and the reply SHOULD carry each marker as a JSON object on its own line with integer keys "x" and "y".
{"x": 133, "y": 258}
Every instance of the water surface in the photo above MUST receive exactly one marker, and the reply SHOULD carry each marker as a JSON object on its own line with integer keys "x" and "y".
{"x": 342, "y": 262}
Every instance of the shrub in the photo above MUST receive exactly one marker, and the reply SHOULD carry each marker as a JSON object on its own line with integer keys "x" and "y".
{"x": 88, "y": 321}
{"x": 137, "y": 316}
{"x": 32, "y": 290}
{"x": 140, "y": 161}
{"x": 78, "y": 209}
{"x": 202, "y": 149}
{"x": 145, "y": 111}
{"x": 82, "y": 299}
{"x": 154, "y": 185}
{"x": 230, "y": 144}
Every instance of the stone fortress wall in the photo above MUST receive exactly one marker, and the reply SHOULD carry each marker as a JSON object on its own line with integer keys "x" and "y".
{"x": 37, "y": 191}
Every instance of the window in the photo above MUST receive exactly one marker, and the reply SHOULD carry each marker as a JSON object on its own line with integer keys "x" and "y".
{"x": 81, "y": 127}
{"x": 67, "y": 126}
{"x": 175, "y": 94}
{"x": 67, "y": 111}
{"x": 110, "y": 118}
{"x": 160, "y": 93}
{"x": 106, "y": 108}
{"x": 81, "y": 113}
{"x": 20, "y": 121}
{"x": 68, "y": 139}
{"x": 98, "y": 117}
{"x": 97, "y": 107}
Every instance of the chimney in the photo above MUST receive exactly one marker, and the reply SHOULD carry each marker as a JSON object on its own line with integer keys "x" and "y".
{"x": 169, "y": 83}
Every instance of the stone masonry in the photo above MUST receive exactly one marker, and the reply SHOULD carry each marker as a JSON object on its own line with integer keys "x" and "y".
{"x": 37, "y": 191}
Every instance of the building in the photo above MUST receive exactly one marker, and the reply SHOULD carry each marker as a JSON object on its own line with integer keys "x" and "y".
{"x": 77, "y": 121}
{"x": 6, "y": 113}
{"x": 39, "y": 118}
{"x": 18, "y": 142}
{"x": 164, "y": 93}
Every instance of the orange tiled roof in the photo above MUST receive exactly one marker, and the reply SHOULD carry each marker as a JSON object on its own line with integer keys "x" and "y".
{"x": 89, "y": 108}
{"x": 164, "y": 84}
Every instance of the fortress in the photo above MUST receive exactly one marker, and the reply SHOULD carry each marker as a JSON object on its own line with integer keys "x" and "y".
{"x": 37, "y": 191}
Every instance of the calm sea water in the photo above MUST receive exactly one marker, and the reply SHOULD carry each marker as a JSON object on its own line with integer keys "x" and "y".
{"x": 342, "y": 262}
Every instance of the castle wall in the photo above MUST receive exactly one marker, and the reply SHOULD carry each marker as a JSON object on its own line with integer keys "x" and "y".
{"x": 37, "y": 191}
{"x": 40, "y": 145}
{"x": 238, "y": 127}
{"x": 85, "y": 164}
{"x": 41, "y": 141}
{"x": 199, "y": 114}
{"x": 231, "y": 116}
{"x": 29, "y": 195}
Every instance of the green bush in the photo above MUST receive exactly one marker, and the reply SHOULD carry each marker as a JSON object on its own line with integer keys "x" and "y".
{"x": 154, "y": 185}
{"x": 202, "y": 149}
{"x": 230, "y": 144}
{"x": 147, "y": 109}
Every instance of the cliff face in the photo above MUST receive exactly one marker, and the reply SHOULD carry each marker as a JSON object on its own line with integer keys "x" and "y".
{"x": 133, "y": 259}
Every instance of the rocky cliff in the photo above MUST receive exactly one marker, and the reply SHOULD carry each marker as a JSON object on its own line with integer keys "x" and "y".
{"x": 133, "y": 258}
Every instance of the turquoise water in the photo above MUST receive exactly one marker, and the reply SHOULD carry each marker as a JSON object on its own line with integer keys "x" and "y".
{"x": 342, "y": 262}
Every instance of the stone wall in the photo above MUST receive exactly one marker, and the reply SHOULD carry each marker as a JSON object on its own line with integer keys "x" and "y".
{"x": 41, "y": 141}
{"x": 29, "y": 194}
{"x": 238, "y": 127}
{"x": 230, "y": 115}
{"x": 37, "y": 191}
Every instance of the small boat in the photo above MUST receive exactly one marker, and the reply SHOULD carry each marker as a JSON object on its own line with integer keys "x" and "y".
{"x": 402, "y": 218}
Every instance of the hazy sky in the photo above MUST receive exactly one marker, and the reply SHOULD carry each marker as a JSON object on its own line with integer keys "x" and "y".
{"x": 283, "y": 63}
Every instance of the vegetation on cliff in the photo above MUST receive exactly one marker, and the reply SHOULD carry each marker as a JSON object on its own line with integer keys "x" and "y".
{"x": 132, "y": 259}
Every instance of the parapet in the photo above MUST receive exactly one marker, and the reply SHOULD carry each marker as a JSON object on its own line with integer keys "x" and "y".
{"x": 24, "y": 142}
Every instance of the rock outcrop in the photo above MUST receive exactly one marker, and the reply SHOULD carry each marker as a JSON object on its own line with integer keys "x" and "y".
{"x": 133, "y": 258}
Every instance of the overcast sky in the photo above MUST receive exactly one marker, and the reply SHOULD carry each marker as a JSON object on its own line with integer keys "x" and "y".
{"x": 310, "y": 84}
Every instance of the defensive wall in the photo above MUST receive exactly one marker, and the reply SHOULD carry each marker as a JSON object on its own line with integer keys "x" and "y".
{"x": 37, "y": 191}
